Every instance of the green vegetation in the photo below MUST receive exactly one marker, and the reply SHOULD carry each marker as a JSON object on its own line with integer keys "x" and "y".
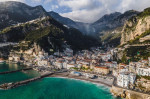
{"x": 5, "y": 30}
{"x": 82, "y": 69}
{"x": 137, "y": 53}
{"x": 146, "y": 77}
{"x": 49, "y": 34}
{"x": 74, "y": 68}
{"x": 138, "y": 77}
{"x": 36, "y": 35}
{"x": 111, "y": 38}
{"x": 145, "y": 13}
{"x": 124, "y": 59}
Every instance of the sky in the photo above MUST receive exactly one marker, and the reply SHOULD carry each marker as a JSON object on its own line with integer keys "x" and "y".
{"x": 88, "y": 11}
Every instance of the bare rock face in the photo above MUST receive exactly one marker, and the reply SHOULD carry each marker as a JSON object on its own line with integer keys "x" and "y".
{"x": 135, "y": 28}
{"x": 128, "y": 94}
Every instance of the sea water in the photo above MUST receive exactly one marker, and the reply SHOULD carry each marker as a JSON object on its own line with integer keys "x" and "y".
{"x": 52, "y": 88}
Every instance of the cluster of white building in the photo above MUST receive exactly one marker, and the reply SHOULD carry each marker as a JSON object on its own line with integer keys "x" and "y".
{"x": 95, "y": 60}
{"x": 124, "y": 79}
{"x": 126, "y": 74}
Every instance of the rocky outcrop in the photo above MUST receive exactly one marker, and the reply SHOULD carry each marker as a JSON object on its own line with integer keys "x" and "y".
{"x": 128, "y": 94}
{"x": 112, "y": 21}
{"x": 110, "y": 26}
{"x": 135, "y": 27}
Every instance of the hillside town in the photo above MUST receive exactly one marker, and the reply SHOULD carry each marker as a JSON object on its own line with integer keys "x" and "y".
{"x": 93, "y": 64}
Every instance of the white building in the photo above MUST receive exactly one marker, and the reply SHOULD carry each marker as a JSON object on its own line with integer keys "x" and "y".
{"x": 70, "y": 66}
{"x": 125, "y": 78}
{"x": 42, "y": 63}
{"x": 111, "y": 65}
{"x": 148, "y": 61}
{"x": 59, "y": 64}
{"x": 14, "y": 58}
{"x": 143, "y": 71}
{"x": 106, "y": 57}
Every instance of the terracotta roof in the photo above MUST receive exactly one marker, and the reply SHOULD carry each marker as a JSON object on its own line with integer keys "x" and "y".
{"x": 71, "y": 64}
{"x": 1, "y": 59}
{"x": 145, "y": 60}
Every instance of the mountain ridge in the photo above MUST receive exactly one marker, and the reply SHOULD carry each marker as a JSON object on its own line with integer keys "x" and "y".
{"x": 12, "y": 13}
{"x": 135, "y": 27}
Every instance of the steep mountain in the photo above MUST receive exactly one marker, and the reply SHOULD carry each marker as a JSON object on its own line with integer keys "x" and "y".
{"x": 105, "y": 22}
{"x": 48, "y": 33}
{"x": 109, "y": 26}
{"x": 12, "y": 13}
{"x": 83, "y": 27}
{"x": 135, "y": 38}
{"x": 103, "y": 27}
{"x": 137, "y": 29}
{"x": 112, "y": 21}
{"x": 63, "y": 20}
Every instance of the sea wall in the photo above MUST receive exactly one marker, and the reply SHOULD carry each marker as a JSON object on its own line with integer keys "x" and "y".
{"x": 128, "y": 94}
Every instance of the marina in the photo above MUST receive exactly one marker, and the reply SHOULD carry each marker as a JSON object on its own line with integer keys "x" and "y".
{"x": 31, "y": 81}
{"x": 13, "y": 85}
{"x": 7, "y": 72}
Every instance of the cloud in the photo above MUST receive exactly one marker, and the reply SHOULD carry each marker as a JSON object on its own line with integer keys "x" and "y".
{"x": 11, "y": 0}
{"x": 91, "y": 10}
{"x": 78, "y": 4}
{"x": 36, "y": 0}
{"x": 53, "y": 7}
{"x": 88, "y": 10}
{"x": 47, "y": 1}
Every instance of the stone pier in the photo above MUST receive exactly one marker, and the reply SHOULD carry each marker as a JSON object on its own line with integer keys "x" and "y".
{"x": 13, "y": 85}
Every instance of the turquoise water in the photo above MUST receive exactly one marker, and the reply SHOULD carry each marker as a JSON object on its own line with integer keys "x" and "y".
{"x": 10, "y": 67}
{"x": 17, "y": 76}
{"x": 51, "y": 88}
{"x": 57, "y": 88}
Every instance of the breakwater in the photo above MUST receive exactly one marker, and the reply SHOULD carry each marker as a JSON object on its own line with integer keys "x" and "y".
{"x": 7, "y": 72}
{"x": 13, "y": 85}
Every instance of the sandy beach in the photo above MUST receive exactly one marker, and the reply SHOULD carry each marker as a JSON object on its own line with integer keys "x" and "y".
{"x": 104, "y": 82}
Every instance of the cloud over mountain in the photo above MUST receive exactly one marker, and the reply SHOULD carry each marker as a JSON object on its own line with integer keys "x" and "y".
{"x": 88, "y": 10}
{"x": 92, "y": 10}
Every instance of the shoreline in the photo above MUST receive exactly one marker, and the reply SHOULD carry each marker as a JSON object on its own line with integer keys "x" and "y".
{"x": 98, "y": 84}
{"x": 65, "y": 75}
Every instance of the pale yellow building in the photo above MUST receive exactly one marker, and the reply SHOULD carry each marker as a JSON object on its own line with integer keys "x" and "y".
{"x": 101, "y": 70}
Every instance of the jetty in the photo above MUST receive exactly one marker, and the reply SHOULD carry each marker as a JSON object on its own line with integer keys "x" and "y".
{"x": 7, "y": 72}
{"x": 14, "y": 85}
{"x": 8, "y": 44}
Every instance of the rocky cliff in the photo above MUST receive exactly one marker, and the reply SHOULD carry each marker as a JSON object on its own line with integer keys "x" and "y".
{"x": 128, "y": 94}
{"x": 136, "y": 26}
{"x": 109, "y": 27}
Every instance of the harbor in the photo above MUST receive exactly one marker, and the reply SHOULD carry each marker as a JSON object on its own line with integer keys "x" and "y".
{"x": 7, "y": 72}
{"x": 13, "y": 85}
{"x": 20, "y": 84}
